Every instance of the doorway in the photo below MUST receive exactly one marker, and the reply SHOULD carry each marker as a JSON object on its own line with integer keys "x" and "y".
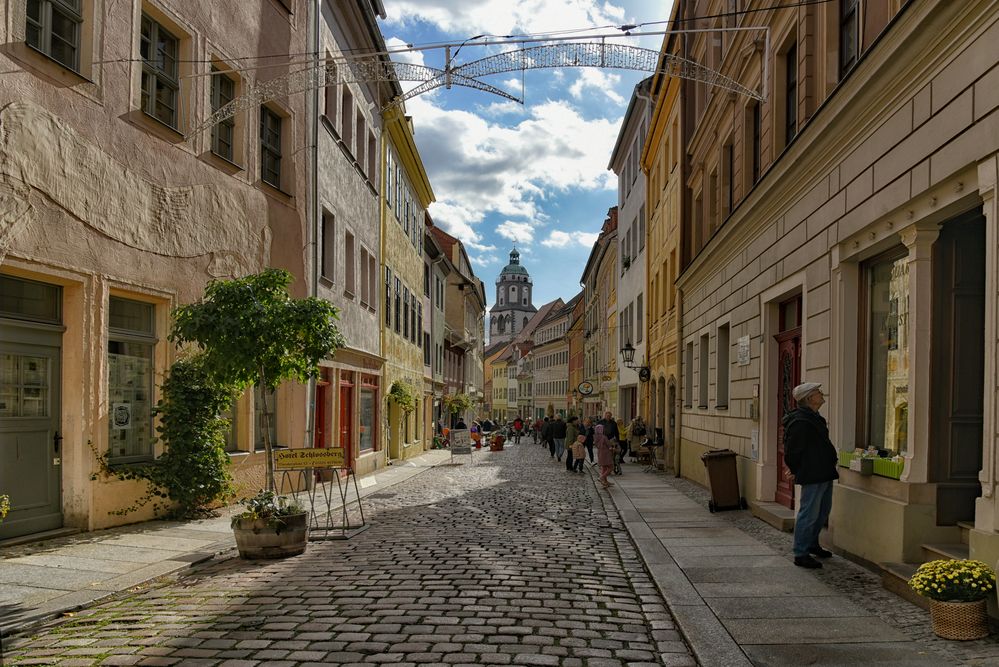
{"x": 788, "y": 377}
{"x": 347, "y": 421}
{"x": 30, "y": 427}
{"x": 957, "y": 384}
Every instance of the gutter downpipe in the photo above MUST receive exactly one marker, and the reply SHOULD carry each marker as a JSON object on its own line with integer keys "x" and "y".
{"x": 312, "y": 200}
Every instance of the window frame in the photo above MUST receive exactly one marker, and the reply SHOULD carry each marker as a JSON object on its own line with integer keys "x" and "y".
{"x": 217, "y": 96}
{"x": 269, "y": 149}
{"x": 156, "y": 74}
{"x": 72, "y": 10}
{"x": 147, "y": 339}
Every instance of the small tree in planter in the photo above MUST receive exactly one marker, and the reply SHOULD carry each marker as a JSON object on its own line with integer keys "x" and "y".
{"x": 251, "y": 331}
{"x": 270, "y": 527}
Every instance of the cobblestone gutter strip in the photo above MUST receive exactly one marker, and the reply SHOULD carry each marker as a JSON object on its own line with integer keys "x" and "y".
{"x": 862, "y": 587}
{"x": 674, "y": 647}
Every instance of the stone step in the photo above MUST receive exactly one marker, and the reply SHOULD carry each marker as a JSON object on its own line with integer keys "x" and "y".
{"x": 965, "y": 527}
{"x": 948, "y": 551}
{"x": 895, "y": 578}
{"x": 778, "y": 516}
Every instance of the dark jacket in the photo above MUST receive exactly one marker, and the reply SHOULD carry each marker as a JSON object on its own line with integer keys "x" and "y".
{"x": 610, "y": 428}
{"x": 558, "y": 430}
{"x": 808, "y": 452}
{"x": 588, "y": 432}
{"x": 546, "y": 431}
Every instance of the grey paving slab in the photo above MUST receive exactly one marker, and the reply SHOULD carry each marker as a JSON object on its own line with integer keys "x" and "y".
{"x": 893, "y": 654}
{"x": 811, "y": 630}
{"x": 750, "y": 548}
{"x": 735, "y": 539}
{"x": 747, "y": 561}
{"x": 77, "y": 563}
{"x": 164, "y": 541}
{"x": 674, "y": 584}
{"x": 749, "y": 589}
{"x": 709, "y": 640}
{"x": 820, "y": 606}
{"x": 717, "y": 575}
{"x": 18, "y": 595}
{"x": 136, "y": 577}
{"x": 119, "y": 552}
{"x": 49, "y": 577}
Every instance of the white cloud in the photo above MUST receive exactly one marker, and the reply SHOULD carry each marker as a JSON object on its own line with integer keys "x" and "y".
{"x": 479, "y": 167}
{"x": 557, "y": 239}
{"x": 599, "y": 81}
{"x": 518, "y": 232}
{"x": 503, "y": 108}
{"x": 587, "y": 239}
{"x": 500, "y": 17}
{"x": 411, "y": 57}
{"x": 484, "y": 260}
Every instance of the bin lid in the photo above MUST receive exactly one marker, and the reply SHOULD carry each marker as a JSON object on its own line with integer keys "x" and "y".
{"x": 717, "y": 454}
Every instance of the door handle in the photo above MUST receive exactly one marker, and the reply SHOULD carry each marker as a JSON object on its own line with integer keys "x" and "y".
{"x": 57, "y": 441}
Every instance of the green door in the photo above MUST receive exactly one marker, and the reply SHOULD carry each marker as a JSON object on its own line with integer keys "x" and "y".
{"x": 30, "y": 446}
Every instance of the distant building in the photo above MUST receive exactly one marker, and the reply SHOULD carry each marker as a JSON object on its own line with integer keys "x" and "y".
{"x": 514, "y": 305}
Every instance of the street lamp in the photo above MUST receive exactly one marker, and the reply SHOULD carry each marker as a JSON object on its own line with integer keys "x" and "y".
{"x": 628, "y": 355}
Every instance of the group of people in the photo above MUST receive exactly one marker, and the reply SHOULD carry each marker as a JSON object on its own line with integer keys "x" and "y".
{"x": 576, "y": 441}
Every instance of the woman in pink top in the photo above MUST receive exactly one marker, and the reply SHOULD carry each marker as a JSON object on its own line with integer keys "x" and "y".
{"x": 605, "y": 454}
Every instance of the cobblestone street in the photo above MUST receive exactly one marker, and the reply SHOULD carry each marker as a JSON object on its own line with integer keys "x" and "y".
{"x": 507, "y": 561}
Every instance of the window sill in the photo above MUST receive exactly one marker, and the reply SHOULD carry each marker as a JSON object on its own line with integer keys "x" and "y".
{"x": 222, "y": 163}
{"x": 721, "y": 407}
{"x": 326, "y": 281}
{"x": 63, "y": 69}
{"x": 238, "y": 454}
{"x": 702, "y": 407}
{"x": 275, "y": 192}
{"x": 155, "y": 126}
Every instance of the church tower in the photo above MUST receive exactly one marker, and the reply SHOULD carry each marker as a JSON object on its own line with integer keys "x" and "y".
{"x": 514, "y": 304}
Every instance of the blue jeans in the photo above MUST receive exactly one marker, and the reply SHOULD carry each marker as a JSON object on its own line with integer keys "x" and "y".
{"x": 559, "y": 447}
{"x": 816, "y": 503}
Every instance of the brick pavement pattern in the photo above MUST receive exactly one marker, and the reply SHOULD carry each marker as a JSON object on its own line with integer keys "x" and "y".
{"x": 510, "y": 561}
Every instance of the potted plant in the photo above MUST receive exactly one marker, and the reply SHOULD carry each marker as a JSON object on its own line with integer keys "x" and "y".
{"x": 957, "y": 590}
{"x": 270, "y": 527}
{"x": 4, "y": 506}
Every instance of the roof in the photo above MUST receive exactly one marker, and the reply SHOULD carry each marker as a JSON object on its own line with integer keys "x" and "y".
{"x": 514, "y": 267}
{"x": 538, "y": 318}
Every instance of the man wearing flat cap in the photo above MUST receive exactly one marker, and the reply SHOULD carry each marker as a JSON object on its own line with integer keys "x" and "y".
{"x": 811, "y": 459}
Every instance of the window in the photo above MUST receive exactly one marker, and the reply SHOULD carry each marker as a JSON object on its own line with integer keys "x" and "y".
{"x": 329, "y": 92}
{"x": 639, "y": 318}
{"x": 751, "y": 145}
{"x": 398, "y": 305}
{"x": 849, "y": 34}
{"x": 270, "y": 147}
{"x": 373, "y": 278}
{"x": 426, "y": 280}
{"x": 160, "y": 84}
{"x": 414, "y": 318}
{"x": 388, "y": 297}
{"x": 886, "y": 286}
{"x": 53, "y": 27}
{"x": 426, "y": 349}
{"x": 790, "y": 94}
{"x": 223, "y": 92}
{"x": 230, "y": 435}
{"x": 688, "y": 377}
{"x": 131, "y": 339}
{"x": 702, "y": 376}
{"x": 347, "y": 119}
{"x": 728, "y": 183}
{"x": 405, "y": 312}
{"x": 641, "y": 228}
{"x": 264, "y": 422}
{"x": 722, "y": 363}
{"x": 348, "y": 264}
{"x": 361, "y": 133}
{"x": 372, "y": 157}
{"x": 367, "y": 407}
{"x": 328, "y": 255}
{"x": 364, "y": 277}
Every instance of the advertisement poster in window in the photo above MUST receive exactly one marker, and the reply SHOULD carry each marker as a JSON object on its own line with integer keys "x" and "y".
{"x": 121, "y": 416}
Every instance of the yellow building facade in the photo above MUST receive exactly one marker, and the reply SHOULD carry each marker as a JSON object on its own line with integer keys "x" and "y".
{"x": 406, "y": 195}
{"x": 663, "y": 169}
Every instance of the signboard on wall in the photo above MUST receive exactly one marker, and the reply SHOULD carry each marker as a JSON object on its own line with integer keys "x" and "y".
{"x": 744, "y": 353}
{"x": 296, "y": 459}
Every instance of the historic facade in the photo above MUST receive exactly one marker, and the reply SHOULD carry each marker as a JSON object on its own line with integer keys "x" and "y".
{"x": 514, "y": 304}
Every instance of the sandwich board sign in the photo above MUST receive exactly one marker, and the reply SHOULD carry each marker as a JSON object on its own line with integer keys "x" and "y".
{"x": 461, "y": 442}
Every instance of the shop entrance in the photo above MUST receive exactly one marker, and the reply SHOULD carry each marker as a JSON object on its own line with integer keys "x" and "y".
{"x": 788, "y": 377}
{"x": 30, "y": 437}
{"x": 957, "y": 383}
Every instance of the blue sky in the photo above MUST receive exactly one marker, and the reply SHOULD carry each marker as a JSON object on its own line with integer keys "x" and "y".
{"x": 534, "y": 175}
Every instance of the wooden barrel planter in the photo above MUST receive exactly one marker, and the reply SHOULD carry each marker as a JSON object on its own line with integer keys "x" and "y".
{"x": 272, "y": 538}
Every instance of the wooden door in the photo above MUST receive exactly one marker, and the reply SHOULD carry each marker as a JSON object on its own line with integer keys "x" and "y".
{"x": 320, "y": 427}
{"x": 788, "y": 377}
{"x": 347, "y": 423}
{"x": 957, "y": 384}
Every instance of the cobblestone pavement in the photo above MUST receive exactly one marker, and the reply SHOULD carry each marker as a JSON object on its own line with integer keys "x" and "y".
{"x": 863, "y": 588}
{"x": 511, "y": 560}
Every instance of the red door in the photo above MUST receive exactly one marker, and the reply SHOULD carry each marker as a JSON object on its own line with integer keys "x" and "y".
{"x": 347, "y": 422}
{"x": 788, "y": 377}
{"x": 322, "y": 413}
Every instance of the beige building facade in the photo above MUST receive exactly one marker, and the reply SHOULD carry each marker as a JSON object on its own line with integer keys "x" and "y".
{"x": 843, "y": 231}
{"x": 112, "y": 217}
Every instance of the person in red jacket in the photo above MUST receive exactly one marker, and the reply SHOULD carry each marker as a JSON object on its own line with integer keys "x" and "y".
{"x": 811, "y": 461}
{"x": 518, "y": 428}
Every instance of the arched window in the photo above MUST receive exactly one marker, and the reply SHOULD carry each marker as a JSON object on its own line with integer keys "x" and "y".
{"x": 525, "y": 321}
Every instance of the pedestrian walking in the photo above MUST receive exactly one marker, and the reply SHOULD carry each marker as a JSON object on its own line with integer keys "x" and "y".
{"x": 536, "y": 428}
{"x": 571, "y": 432}
{"x": 558, "y": 435}
{"x": 578, "y": 453}
{"x": 636, "y": 433}
{"x": 546, "y": 436}
{"x": 518, "y": 427}
{"x": 622, "y": 444}
{"x": 606, "y": 450}
{"x": 588, "y": 432}
{"x": 811, "y": 461}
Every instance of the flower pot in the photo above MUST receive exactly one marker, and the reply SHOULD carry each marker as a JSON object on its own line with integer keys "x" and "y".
{"x": 274, "y": 538}
{"x": 959, "y": 620}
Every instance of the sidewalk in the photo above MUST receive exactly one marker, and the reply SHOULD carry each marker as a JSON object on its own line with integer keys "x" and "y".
{"x": 738, "y": 601}
{"x": 43, "y": 579}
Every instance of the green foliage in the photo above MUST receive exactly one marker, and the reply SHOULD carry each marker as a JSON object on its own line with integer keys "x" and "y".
{"x": 252, "y": 330}
{"x": 457, "y": 403}
{"x": 404, "y": 395}
{"x": 269, "y": 506}
{"x": 4, "y": 506}
{"x": 193, "y": 472}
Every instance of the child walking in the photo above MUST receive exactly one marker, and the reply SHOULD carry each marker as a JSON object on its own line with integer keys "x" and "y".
{"x": 578, "y": 453}
{"x": 605, "y": 454}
